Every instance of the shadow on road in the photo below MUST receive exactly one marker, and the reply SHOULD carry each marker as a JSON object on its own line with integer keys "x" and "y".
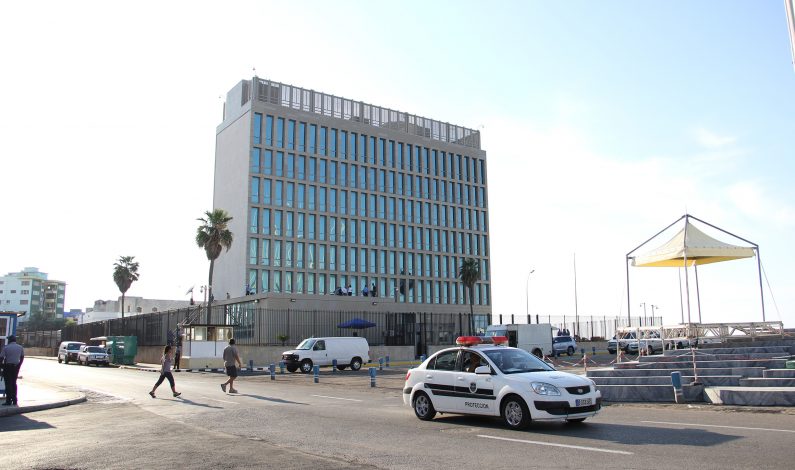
{"x": 191, "y": 402}
{"x": 275, "y": 400}
{"x": 618, "y": 433}
{"x": 22, "y": 423}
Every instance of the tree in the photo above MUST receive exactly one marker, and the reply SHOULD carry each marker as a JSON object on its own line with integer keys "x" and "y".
{"x": 125, "y": 272}
{"x": 213, "y": 235}
{"x": 469, "y": 273}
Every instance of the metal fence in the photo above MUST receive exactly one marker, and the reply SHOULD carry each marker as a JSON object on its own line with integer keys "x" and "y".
{"x": 39, "y": 339}
{"x": 261, "y": 326}
{"x": 584, "y": 326}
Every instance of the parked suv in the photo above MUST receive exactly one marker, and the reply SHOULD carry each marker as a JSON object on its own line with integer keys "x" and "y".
{"x": 68, "y": 351}
{"x": 564, "y": 344}
{"x": 93, "y": 355}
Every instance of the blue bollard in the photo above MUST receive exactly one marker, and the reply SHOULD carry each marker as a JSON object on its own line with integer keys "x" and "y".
{"x": 582, "y": 351}
{"x": 333, "y": 366}
{"x": 380, "y": 363}
{"x": 594, "y": 349}
{"x": 387, "y": 361}
{"x": 557, "y": 354}
{"x": 281, "y": 367}
{"x": 272, "y": 368}
{"x": 422, "y": 358}
{"x": 372, "y": 376}
{"x": 251, "y": 366}
{"x": 317, "y": 373}
{"x": 676, "y": 381}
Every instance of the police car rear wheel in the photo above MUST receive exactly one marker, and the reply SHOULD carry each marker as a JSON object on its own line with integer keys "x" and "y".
{"x": 515, "y": 412}
{"x": 423, "y": 407}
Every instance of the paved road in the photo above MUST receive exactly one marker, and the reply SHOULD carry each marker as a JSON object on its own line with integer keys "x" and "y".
{"x": 343, "y": 423}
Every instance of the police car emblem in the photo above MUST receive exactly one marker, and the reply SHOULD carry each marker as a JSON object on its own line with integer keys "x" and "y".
{"x": 472, "y": 387}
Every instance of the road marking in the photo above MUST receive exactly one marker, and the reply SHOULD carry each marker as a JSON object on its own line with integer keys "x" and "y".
{"x": 593, "y": 449}
{"x": 719, "y": 426}
{"x": 336, "y": 398}
{"x": 221, "y": 401}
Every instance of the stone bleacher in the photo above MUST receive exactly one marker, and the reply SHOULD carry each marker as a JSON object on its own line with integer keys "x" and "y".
{"x": 738, "y": 375}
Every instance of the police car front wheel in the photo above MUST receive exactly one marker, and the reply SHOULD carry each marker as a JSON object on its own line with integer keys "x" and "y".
{"x": 423, "y": 407}
{"x": 515, "y": 412}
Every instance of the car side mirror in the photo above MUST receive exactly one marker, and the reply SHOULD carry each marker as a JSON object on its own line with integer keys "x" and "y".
{"x": 485, "y": 370}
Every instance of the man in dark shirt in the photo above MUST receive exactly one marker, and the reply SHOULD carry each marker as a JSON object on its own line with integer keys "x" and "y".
{"x": 11, "y": 358}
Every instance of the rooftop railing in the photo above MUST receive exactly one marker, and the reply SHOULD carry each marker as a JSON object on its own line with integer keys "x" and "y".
{"x": 323, "y": 104}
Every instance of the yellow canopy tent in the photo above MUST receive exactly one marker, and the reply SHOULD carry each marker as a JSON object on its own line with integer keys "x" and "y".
{"x": 692, "y": 247}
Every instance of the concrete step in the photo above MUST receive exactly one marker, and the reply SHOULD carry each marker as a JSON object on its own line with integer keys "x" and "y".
{"x": 767, "y": 382}
{"x": 779, "y": 373}
{"x": 741, "y": 371}
{"x": 767, "y": 363}
{"x": 650, "y": 393}
{"x": 713, "y": 357}
{"x": 707, "y": 380}
{"x": 731, "y": 350}
{"x": 751, "y": 396}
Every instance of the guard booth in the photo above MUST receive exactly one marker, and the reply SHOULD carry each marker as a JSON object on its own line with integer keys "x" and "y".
{"x": 203, "y": 345}
{"x": 122, "y": 349}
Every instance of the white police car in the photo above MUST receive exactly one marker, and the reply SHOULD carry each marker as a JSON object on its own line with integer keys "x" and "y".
{"x": 485, "y": 377}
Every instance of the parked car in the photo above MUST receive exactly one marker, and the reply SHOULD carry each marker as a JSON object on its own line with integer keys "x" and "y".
{"x": 93, "y": 355}
{"x": 68, "y": 350}
{"x": 628, "y": 341}
{"x": 564, "y": 344}
{"x": 347, "y": 351}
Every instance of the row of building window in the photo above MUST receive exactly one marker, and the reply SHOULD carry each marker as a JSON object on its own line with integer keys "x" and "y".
{"x": 362, "y": 177}
{"x": 277, "y": 253}
{"x": 362, "y": 232}
{"x": 321, "y": 140}
{"x": 321, "y": 199}
{"x": 422, "y": 291}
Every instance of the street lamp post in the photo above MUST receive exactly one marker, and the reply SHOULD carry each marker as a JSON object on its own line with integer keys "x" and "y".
{"x": 527, "y": 295}
{"x": 653, "y": 308}
{"x": 643, "y": 304}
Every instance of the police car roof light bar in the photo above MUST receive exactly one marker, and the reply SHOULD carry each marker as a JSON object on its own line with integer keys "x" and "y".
{"x": 468, "y": 340}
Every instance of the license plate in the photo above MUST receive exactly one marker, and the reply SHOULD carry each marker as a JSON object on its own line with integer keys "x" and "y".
{"x": 583, "y": 402}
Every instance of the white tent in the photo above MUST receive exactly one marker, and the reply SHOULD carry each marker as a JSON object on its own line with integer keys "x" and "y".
{"x": 692, "y": 247}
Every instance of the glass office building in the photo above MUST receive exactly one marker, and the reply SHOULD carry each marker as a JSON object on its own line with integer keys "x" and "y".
{"x": 329, "y": 192}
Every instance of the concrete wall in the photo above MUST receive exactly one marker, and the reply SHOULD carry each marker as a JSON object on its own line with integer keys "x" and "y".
{"x": 47, "y": 352}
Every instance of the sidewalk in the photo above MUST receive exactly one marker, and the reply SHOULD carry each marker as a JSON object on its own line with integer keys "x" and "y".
{"x": 36, "y": 397}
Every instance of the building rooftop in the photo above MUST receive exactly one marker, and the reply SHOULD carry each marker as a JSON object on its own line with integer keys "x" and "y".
{"x": 301, "y": 99}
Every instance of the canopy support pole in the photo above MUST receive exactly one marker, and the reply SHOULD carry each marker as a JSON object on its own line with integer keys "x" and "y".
{"x": 687, "y": 278}
{"x": 681, "y": 301}
{"x": 698, "y": 292}
{"x": 761, "y": 291}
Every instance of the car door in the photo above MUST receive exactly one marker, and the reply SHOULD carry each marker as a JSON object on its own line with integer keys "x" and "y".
{"x": 475, "y": 391}
{"x": 320, "y": 353}
{"x": 439, "y": 381}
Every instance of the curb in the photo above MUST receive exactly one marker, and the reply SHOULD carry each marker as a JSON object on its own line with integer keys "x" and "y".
{"x": 17, "y": 410}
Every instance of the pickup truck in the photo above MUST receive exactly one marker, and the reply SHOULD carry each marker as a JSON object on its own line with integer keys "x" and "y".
{"x": 650, "y": 342}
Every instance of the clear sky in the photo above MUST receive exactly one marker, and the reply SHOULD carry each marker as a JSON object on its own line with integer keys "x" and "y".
{"x": 603, "y": 122}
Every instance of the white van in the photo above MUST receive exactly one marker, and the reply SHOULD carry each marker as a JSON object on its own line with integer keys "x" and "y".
{"x": 348, "y": 351}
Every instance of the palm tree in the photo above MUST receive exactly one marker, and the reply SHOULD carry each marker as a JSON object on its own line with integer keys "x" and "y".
{"x": 125, "y": 272}
{"x": 469, "y": 273}
{"x": 213, "y": 235}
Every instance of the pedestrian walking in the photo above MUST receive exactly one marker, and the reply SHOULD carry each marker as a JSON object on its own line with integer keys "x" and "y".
{"x": 177, "y": 355}
{"x": 165, "y": 372}
{"x": 11, "y": 358}
{"x": 230, "y": 358}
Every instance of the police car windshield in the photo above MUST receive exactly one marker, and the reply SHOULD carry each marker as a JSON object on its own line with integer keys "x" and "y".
{"x": 516, "y": 361}
{"x": 306, "y": 344}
